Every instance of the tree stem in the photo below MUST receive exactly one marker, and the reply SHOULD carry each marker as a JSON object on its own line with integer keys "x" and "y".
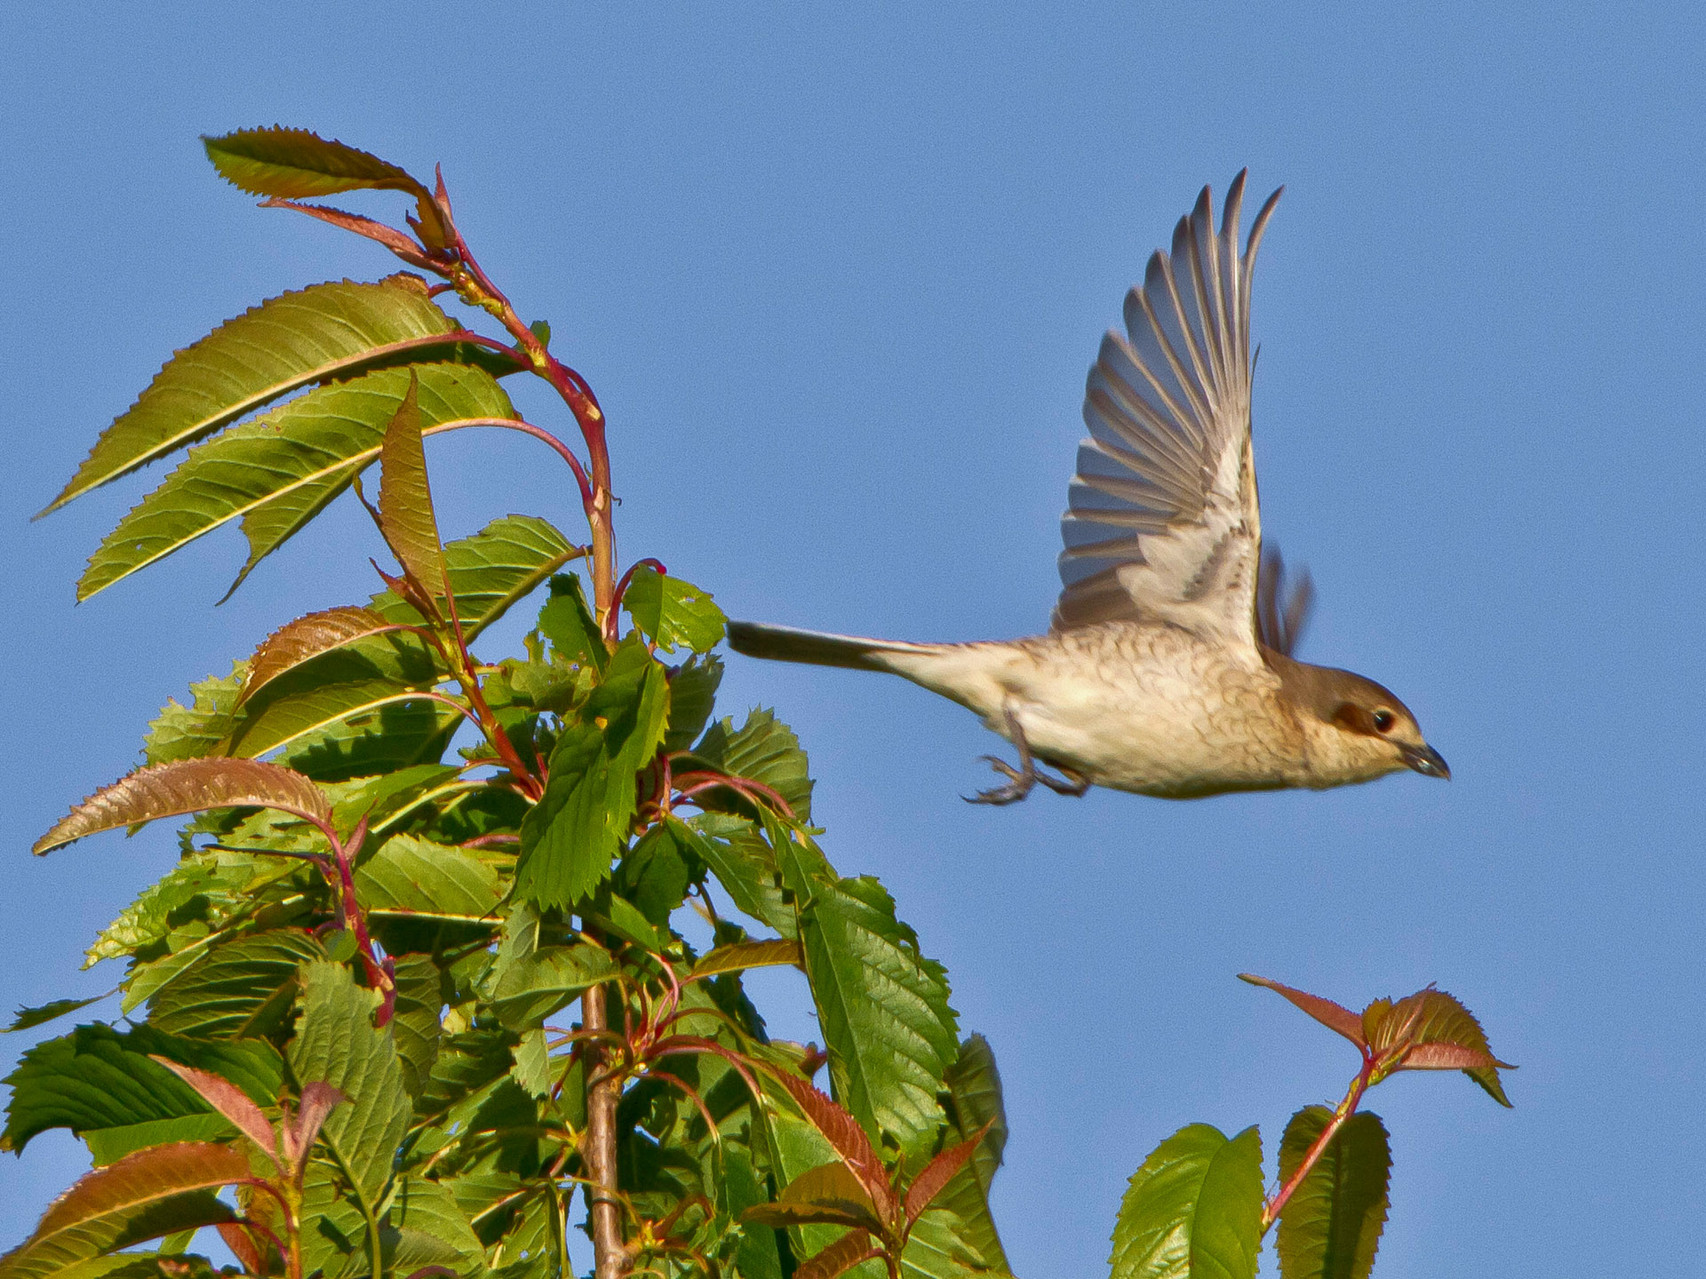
{"x": 598, "y": 1147}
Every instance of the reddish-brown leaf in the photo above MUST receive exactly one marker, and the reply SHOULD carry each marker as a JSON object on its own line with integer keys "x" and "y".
{"x": 406, "y": 518}
{"x": 189, "y": 786}
{"x": 1431, "y": 1030}
{"x": 316, "y": 1103}
{"x": 390, "y": 237}
{"x": 230, "y": 1101}
{"x": 935, "y": 1175}
{"x": 781, "y": 1216}
{"x": 307, "y": 637}
{"x": 841, "y": 1256}
{"x": 251, "y": 1248}
{"x": 843, "y": 1132}
{"x": 141, "y": 1178}
{"x": 1332, "y": 1016}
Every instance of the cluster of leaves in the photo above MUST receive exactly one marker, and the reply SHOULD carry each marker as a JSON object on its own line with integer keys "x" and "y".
{"x": 452, "y": 942}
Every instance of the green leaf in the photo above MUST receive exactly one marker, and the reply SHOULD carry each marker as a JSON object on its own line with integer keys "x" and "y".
{"x": 295, "y": 163}
{"x": 188, "y": 786}
{"x": 199, "y": 729}
{"x": 428, "y": 1220}
{"x": 336, "y": 1043}
{"x": 143, "y": 1196}
{"x": 737, "y": 957}
{"x": 671, "y": 612}
{"x": 1330, "y": 1227}
{"x": 568, "y": 623}
{"x": 744, "y": 865}
{"x": 406, "y": 516}
{"x": 96, "y": 1081}
{"x": 943, "y": 1246}
{"x": 692, "y": 696}
{"x": 242, "y": 989}
{"x": 30, "y": 1018}
{"x": 417, "y": 877}
{"x": 764, "y": 750}
{"x": 571, "y": 836}
{"x": 655, "y": 873}
{"x": 416, "y": 1021}
{"x": 323, "y": 332}
{"x": 279, "y": 471}
{"x": 883, "y": 1007}
{"x": 527, "y": 985}
{"x": 306, "y": 638}
{"x": 1193, "y": 1209}
{"x": 492, "y": 569}
{"x": 972, "y": 1099}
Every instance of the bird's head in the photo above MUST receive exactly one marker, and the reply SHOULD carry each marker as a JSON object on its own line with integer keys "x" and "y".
{"x": 1357, "y": 729}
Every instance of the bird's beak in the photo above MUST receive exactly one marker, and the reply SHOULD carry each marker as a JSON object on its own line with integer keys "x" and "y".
{"x": 1426, "y": 761}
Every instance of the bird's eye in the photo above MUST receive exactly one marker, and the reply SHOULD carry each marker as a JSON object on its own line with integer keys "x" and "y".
{"x": 1383, "y": 721}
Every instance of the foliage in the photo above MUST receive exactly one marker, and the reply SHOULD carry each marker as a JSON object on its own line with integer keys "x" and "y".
{"x": 444, "y": 953}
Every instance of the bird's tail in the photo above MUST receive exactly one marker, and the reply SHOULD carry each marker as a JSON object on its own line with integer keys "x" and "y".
{"x": 787, "y": 644}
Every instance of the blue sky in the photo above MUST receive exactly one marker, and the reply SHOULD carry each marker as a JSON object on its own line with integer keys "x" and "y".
{"x": 837, "y": 278}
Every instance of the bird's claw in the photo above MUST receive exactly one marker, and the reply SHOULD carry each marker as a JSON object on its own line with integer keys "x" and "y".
{"x": 1018, "y": 784}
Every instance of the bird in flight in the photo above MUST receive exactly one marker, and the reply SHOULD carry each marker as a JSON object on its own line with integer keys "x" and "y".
{"x": 1167, "y": 668}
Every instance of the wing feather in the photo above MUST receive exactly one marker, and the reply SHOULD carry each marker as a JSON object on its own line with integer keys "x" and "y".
{"x": 1163, "y": 522}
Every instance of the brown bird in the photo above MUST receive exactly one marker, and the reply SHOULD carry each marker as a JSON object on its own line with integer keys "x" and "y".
{"x": 1167, "y": 669}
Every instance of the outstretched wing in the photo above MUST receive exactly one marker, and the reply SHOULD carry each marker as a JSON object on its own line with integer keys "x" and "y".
{"x": 1163, "y": 523}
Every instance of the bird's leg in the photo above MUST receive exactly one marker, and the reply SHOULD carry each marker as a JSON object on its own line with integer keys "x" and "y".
{"x": 1021, "y": 779}
{"x": 1068, "y": 783}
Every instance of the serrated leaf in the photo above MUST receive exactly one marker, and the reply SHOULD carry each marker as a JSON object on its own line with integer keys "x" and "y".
{"x": 279, "y": 471}
{"x": 416, "y": 1020}
{"x": 845, "y": 1137}
{"x": 934, "y": 1177}
{"x": 655, "y": 874}
{"x": 883, "y": 1006}
{"x": 97, "y": 1080}
{"x": 765, "y": 750}
{"x": 744, "y": 865}
{"x": 326, "y": 331}
{"x": 1330, "y": 1227}
{"x": 571, "y": 836}
{"x": 336, "y": 1043}
{"x": 242, "y": 989}
{"x": 1431, "y": 1030}
{"x": 143, "y": 1196}
{"x": 229, "y": 1101}
{"x": 1334, "y": 1016}
{"x": 196, "y": 730}
{"x": 189, "y": 786}
{"x": 692, "y": 697}
{"x": 528, "y": 988}
{"x": 673, "y": 613}
{"x": 407, "y": 875}
{"x": 406, "y": 517}
{"x": 306, "y": 638}
{"x": 295, "y": 163}
{"x": 972, "y": 1099}
{"x": 427, "y": 1210}
{"x": 740, "y": 956}
{"x": 1193, "y": 1209}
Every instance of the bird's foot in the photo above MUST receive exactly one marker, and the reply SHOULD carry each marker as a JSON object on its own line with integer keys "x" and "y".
{"x": 1018, "y": 785}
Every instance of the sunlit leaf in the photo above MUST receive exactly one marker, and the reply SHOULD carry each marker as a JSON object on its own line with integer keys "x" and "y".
{"x": 765, "y": 750}
{"x": 1330, "y": 1227}
{"x": 417, "y": 877}
{"x": 883, "y": 1006}
{"x": 296, "y": 163}
{"x": 241, "y": 989}
{"x": 844, "y": 1135}
{"x": 1194, "y": 1208}
{"x": 567, "y": 621}
{"x": 145, "y": 1195}
{"x": 1432, "y": 1030}
{"x": 416, "y": 1019}
{"x": 673, "y": 613}
{"x": 842, "y": 1255}
{"x": 692, "y": 697}
{"x": 405, "y": 499}
{"x": 1333, "y": 1016}
{"x": 492, "y": 569}
{"x": 188, "y": 786}
{"x": 306, "y": 638}
{"x": 336, "y": 1043}
{"x": 570, "y": 838}
{"x": 196, "y": 730}
{"x": 323, "y": 332}
{"x": 752, "y": 954}
{"x": 972, "y": 1099}
{"x": 230, "y": 1101}
{"x": 279, "y": 471}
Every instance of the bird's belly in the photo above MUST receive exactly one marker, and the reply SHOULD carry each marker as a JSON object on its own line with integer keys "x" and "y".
{"x": 1167, "y": 735}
